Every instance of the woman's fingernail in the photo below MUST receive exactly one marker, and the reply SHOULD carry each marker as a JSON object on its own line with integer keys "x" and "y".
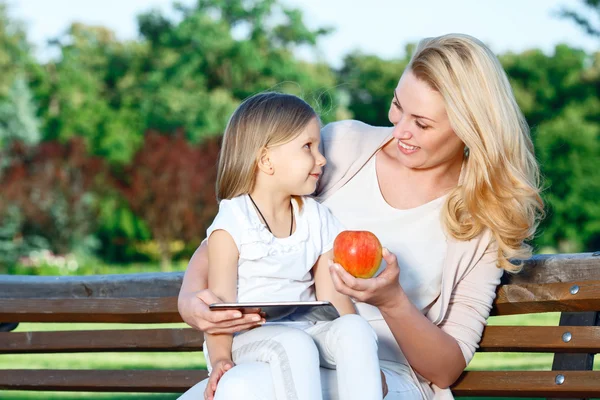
{"x": 385, "y": 251}
{"x": 256, "y": 319}
{"x": 237, "y": 315}
{"x": 330, "y": 262}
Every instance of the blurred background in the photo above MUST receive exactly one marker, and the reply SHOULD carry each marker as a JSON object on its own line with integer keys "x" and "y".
{"x": 111, "y": 111}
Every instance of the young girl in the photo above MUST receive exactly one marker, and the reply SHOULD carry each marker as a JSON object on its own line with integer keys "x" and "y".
{"x": 271, "y": 243}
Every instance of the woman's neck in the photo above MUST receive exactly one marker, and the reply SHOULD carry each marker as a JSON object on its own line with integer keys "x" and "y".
{"x": 406, "y": 188}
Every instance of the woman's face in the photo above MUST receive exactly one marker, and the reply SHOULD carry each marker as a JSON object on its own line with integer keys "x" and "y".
{"x": 421, "y": 126}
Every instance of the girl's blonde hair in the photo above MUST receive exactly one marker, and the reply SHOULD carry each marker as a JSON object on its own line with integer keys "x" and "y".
{"x": 264, "y": 120}
{"x": 499, "y": 186}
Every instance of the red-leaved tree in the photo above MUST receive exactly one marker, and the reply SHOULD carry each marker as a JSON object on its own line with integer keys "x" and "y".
{"x": 52, "y": 184}
{"x": 170, "y": 184}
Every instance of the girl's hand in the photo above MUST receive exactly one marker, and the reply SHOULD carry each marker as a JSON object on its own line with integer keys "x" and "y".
{"x": 219, "y": 368}
{"x": 383, "y": 290}
{"x": 194, "y": 310}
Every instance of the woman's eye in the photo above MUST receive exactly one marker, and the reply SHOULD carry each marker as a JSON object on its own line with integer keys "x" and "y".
{"x": 307, "y": 146}
{"x": 421, "y": 125}
{"x": 396, "y": 104}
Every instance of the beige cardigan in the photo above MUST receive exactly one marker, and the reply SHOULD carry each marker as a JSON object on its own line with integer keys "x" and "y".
{"x": 470, "y": 275}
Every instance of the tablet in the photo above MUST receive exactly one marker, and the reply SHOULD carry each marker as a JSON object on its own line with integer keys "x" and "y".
{"x": 313, "y": 311}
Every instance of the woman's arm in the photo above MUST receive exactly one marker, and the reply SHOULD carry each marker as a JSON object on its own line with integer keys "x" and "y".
{"x": 324, "y": 286}
{"x": 194, "y": 298}
{"x": 431, "y": 352}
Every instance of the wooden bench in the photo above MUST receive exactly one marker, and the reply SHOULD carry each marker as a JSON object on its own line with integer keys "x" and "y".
{"x": 569, "y": 283}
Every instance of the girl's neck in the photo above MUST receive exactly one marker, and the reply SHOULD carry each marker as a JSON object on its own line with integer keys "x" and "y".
{"x": 271, "y": 204}
{"x": 275, "y": 211}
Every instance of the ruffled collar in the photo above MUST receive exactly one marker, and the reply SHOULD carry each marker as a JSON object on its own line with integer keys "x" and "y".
{"x": 256, "y": 234}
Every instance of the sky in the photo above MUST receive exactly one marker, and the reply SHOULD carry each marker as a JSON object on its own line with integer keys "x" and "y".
{"x": 380, "y": 27}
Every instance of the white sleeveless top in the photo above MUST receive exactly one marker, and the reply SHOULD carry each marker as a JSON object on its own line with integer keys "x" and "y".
{"x": 415, "y": 236}
{"x": 271, "y": 268}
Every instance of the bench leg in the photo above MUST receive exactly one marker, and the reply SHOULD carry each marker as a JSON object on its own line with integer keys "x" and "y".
{"x": 570, "y": 361}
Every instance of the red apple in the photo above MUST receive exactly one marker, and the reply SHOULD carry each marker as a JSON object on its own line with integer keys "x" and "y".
{"x": 359, "y": 252}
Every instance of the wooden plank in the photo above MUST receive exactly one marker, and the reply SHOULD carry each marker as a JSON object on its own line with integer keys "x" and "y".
{"x": 570, "y": 361}
{"x": 528, "y": 384}
{"x": 159, "y": 284}
{"x": 525, "y": 299}
{"x": 543, "y": 339}
{"x": 574, "y": 362}
{"x": 186, "y": 339}
{"x": 134, "y": 310}
{"x": 163, "y": 381}
{"x": 554, "y": 268}
{"x": 539, "y": 269}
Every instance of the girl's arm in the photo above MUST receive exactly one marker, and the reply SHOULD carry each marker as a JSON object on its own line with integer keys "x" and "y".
{"x": 324, "y": 286}
{"x": 194, "y": 298}
{"x": 222, "y": 281}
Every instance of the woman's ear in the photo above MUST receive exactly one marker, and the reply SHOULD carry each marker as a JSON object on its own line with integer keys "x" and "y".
{"x": 264, "y": 162}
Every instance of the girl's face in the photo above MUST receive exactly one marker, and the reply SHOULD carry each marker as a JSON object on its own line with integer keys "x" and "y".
{"x": 424, "y": 136}
{"x": 297, "y": 165}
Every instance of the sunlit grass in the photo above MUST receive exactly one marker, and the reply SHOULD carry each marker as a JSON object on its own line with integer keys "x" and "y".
{"x": 195, "y": 360}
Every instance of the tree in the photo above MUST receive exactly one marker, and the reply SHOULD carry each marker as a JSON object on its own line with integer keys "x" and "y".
{"x": 14, "y": 50}
{"x": 170, "y": 186}
{"x": 369, "y": 81}
{"x": 217, "y": 54}
{"x": 586, "y": 23}
{"x": 52, "y": 185}
{"x": 18, "y": 119}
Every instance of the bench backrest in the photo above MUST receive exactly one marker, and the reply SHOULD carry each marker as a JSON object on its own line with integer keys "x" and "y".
{"x": 569, "y": 283}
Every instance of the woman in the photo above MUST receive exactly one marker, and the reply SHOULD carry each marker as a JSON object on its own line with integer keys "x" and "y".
{"x": 451, "y": 190}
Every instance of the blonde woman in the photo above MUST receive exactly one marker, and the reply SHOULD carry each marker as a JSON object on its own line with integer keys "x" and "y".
{"x": 451, "y": 189}
{"x": 269, "y": 242}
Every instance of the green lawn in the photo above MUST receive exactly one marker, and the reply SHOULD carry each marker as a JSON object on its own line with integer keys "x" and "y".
{"x": 482, "y": 361}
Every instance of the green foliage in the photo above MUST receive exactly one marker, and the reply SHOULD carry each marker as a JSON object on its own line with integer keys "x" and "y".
{"x": 590, "y": 24}
{"x": 18, "y": 120}
{"x": 188, "y": 71}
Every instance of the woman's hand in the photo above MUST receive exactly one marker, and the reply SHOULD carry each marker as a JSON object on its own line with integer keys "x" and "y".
{"x": 194, "y": 310}
{"x": 219, "y": 368}
{"x": 382, "y": 291}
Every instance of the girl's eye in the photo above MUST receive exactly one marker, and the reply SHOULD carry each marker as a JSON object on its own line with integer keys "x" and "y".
{"x": 421, "y": 125}
{"x": 307, "y": 145}
{"x": 396, "y": 104}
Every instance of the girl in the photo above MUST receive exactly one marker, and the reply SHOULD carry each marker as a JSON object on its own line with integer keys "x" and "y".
{"x": 269, "y": 242}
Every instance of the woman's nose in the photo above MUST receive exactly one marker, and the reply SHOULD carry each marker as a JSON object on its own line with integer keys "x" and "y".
{"x": 401, "y": 130}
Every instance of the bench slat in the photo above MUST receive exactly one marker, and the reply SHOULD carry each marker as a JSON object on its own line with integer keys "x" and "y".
{"x": 511, "y": 299}
{"x": 127, "y": 310}
{"x": 184, "y": 339}
{"x": 548, "y": 339}
{"x": 164, "y": 381}
{"x": 528, "y": 384}
{"x": 549, "y": 297}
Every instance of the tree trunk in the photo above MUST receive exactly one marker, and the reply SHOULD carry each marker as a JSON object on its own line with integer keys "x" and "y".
{"x": 165, "y": 255}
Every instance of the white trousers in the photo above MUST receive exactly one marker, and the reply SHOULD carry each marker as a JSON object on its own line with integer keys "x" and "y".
{"x": 293, "y": 358}
{"x": 253, "y": 381}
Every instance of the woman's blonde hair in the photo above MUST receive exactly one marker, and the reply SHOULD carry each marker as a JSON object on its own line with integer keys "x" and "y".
{"x": 264, "y": 120}
{"x": 499, "y": 186}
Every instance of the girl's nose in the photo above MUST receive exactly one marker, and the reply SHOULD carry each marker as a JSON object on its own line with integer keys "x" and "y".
{"x": 321, "y": 160}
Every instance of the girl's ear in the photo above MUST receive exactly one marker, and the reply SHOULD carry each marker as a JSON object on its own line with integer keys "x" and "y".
{"x": 264, "y": 162}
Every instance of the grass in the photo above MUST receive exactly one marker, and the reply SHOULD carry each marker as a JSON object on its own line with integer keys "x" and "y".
{"x": 482, "y": 361}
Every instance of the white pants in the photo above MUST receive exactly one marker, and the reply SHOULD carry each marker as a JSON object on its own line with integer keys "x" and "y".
{"x": 253, "y": 381}
{"x": 293, "y": 356}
